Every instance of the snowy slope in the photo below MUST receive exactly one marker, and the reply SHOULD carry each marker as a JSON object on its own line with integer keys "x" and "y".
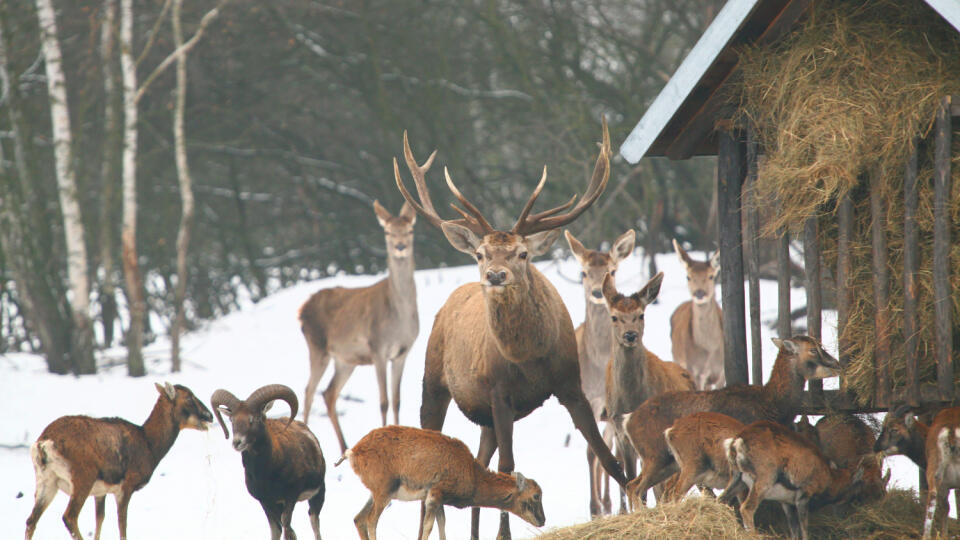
{"x": 197, "y": 491}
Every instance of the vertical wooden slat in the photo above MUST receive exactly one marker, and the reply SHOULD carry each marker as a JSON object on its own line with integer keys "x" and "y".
{"x": 730, "y": 175}
{"x": 811, "y": 270}
{"x": 752, "y": 227}
{"x": 844, "y": 234}
{"x": 784, "y": 326}
{"x": 881, "y": 292}
{"x": 911, "y": 261}
{"x": 941, "y": 251}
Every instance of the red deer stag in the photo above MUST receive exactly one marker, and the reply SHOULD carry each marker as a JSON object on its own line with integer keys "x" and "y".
{"x": 370, "y": 325}
{"x": 801, "y": 358}
{"x": 696, "y": 326}
{"x": 594, "y": 346}
{"x": 635, "y": 374}
{"x": 502, "y": 346}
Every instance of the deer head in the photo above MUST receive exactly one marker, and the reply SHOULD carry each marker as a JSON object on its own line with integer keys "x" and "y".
{"x": 188, "y": 411}
{"x": 503, "y": 257}
{"x": 595, "y": 265}
{"x": 626, "y": 312}
{"x": 248, "y": 417}
{"x": 897, "y": 431}
{"x": 701, "y": 276}
{"x": 808, "y": 357}
{"x": 527, "y": 501}
{"x": 398, "y": 229}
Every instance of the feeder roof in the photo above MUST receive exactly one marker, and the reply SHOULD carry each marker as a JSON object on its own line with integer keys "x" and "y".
{"x": 680, "y": 122}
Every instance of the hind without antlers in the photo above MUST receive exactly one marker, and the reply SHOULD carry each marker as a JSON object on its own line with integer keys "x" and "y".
{"x": 476, "y": 355}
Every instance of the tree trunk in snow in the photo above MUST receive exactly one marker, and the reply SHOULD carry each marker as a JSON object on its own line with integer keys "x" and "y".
{"x": 131, "y": 267}
{"x": 81, "y": 344}
{"x": 111, "y": 143}
{"x": 186, "y": 191}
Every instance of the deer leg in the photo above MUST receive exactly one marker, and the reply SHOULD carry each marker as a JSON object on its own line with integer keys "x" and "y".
{"x": 442, "y": 522}
{"x": 99, "y": 503}
{"x": 318, "y": 365}
{"x": 792, "y": 521}
{"x": 652, "y": 472}
{"x": 380, "y": 365}
{"x": 286, "y": 518}
{"x": 341, "y": 372}
{"x": 360, "y": 521}
{"x": 46, "y": 491}
{"x": 503, "y": 417}
{"x": 488, "y": 443}
{"x": 81, "y": 490}
{"x": 608, "y": 436}
{"x": 582, "y": 416}
{"x": 315, "y": 504}
{"x": 123, "y": 502}
{"x": 750, "y": 504}
{"x": 374, "y": 516}
{"x": 432, "y": 504}
{"x": 624, "y": 455}
{"x": 396, "y": 373}
{"x": 434, "y": 404}
{"x": 803, "y": 516}
{"x": 595, "y": 509}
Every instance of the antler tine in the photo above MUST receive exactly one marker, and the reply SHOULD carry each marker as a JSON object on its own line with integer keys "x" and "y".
{"x": 547, "y": 220}
{"x": 426, "y": 209}
{"x": 533, "y": 198}
{"x": 477, "y": 223}
{"x": 557, "y": 210}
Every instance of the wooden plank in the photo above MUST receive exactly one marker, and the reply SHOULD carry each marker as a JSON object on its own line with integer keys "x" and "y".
{"x": 840, "y": 401}
{"x": 844, "y": 234}
{"x": 943, "y": 312}
{"x": 881, "y": 291}
{"x": 784, "y": 326}
{"x": 752, "y": 227}
{"x": 731, "y": 169}
{"x": 911, "y": 262}
{"x": 811, "y": 271}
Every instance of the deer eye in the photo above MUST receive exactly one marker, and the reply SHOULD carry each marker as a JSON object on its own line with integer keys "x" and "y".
{"x": 583, "y": 275}
{"x": 522, "y": 255}
{"x": 614, "y": 318}
{"x": 613, "y": 272}
{"x": 479, "y": 256}
{"x": 640, "y": 316}
{"x": 688, "y": 278}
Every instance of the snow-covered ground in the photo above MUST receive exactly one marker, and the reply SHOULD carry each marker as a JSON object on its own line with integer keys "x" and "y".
{"x": 198, "y": 492}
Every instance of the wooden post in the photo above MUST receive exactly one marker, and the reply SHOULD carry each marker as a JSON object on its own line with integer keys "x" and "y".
{"x": 911, "y": 261}
{"x": 941, "y": 251}
{"x": 784, "y": 326}
{"x": 752, "y": 226}
{"x": 844, "y": 234}
{"x": 811, "y": 271}
{"x": 731, "y": 171}
{"x": 881, "y": 293}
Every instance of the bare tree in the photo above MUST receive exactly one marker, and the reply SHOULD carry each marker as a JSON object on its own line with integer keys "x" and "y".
{"x": 111, "y": 125}
{"x": 81, "y": 345}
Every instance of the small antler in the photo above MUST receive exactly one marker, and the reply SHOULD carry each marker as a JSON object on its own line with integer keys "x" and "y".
{"x": 547, "y": 220}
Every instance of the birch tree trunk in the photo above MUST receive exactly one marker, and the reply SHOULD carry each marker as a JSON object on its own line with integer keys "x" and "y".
{"x": 131, "y": 267}
{"x": 81, "y": 343}
{"x": 186, "y": 190}
{"x": 111, "y": 143}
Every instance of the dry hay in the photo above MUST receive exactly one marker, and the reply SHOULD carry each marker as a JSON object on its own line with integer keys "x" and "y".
{"x": 836, "y": 106}
{"x": 898, "y": 515}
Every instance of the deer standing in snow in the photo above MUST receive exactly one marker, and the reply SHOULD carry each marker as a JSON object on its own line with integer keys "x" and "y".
{"x": 594, "y": 345}
{"x": 696, "y": 326}
{"x": 369, "y": 325}
{"x": 502, "y": 346}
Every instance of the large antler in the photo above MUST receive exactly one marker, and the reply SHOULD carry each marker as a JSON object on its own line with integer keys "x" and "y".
{"x": 547, "y": 220}
{"x": 265, "y": 394}
{"x": 473, "y": 220}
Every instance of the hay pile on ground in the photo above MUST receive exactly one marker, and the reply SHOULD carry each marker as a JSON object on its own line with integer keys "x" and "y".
{"x": 898, "y": 515}
{"x": 836, "y": 106}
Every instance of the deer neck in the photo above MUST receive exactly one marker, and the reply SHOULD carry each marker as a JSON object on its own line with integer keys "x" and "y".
{"x": 597, "y": 331}
{"x": 785, "y": 388}
{"x": 917, "y": 451}
{"x": 160, "y": 429}
{"x": 401, "y": 285}
{"x": 521, "y": 318}
{"x": 494, "y": 490}
{"x": 705, "y": 325}
{"x": 629, "y": 375}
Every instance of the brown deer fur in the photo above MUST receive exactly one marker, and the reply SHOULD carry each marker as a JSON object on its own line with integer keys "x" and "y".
{"x": 779, "y": 464}
{"x": 800, "y": 358}
{"x": 84, "y": 456}
{"x": 635, "y": 374}
{"x": 942, "y": 450}
{"x": 411, "y": 464}
{"x": 369, "y": 325}
{"x": 696, "y": 326}
{"x": 696, "y": 443}
{"x": 845, "y": 439}
{"x": 902, "y": 433}
{"x": 594, "y": 346}
{"x": 502, "y": 346}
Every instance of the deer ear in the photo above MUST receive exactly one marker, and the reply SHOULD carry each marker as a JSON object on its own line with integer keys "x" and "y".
{"x": 540, "y": 243}
{"x": 909, "y": 420}
{"x": 383, "y": 215}
{"x": 461, "y": 237}
{"x": 715, "y": 261}
{"x": 650, "y": 291}
{"x": 786, "y": 345}
{"x": 575, "y": 246}
{"x": 609, "y": 289}
{"x": 623, "y": 246}
{"x": 521, "y": 481}
{"x": 684, "y": 258}
{"x": 407, "y": 212}
{"x": 167, "y": 390}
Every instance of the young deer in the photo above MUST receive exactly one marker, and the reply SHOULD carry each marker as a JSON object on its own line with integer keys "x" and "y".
{"x": 635, "y": 374}
{"x": 369, "y": 325}
{"x": 801, "y": 358}
{"x": 411, "y": 464}
{"x": 501, "y": 347}
{"x": 942, "y": 452}
{"x": 776, "y": 463}
{"x": 696, "y": 326}
{"x": 594, "y": 346}
{"x": 696, "y": 443}
{"x": 845, "y": 439}
{"x": 85, "y": 456}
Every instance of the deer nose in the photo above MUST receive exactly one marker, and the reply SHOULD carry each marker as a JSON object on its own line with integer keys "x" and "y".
{"x": 630, "y": 336}
{"x": 700, "y": 294}
{"x": 496, "y": 278}
{"x": 597, "y": 294}
{"x": 401, "y": 246}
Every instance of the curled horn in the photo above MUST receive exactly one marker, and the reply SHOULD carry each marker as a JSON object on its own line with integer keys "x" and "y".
{"x": 521, "y": 481}
{"x": 265, "y": 394}
{"x": 223, "y": 398}
{"x": 900, "y": 410}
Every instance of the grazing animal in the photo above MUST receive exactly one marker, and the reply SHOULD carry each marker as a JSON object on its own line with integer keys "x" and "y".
{"x": 845, "y": 440}
{"x": 368, "y": 325}
{"x": 502, "y": 346}
{"x": 696, "y": 443}
{"x": 696, "y": 326}
{"x": 635, "y": 374}
{"x": 84, "y": 456}
{"x": 799, "y": 359}
{"x": 594, "y": 346}
{"x": 902, "y": 433}
{"x": 776, "y": 463}
{"x": 282, "y": 460}
{"x": 411, "y": 464}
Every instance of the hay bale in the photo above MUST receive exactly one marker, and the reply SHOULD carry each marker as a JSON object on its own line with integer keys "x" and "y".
{"x": 837, "y": 102}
